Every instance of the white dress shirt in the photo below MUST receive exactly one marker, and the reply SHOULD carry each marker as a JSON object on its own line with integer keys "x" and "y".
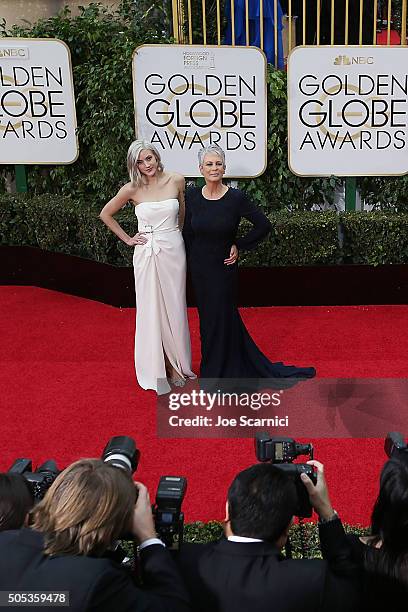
{"x": 243, "y": 539}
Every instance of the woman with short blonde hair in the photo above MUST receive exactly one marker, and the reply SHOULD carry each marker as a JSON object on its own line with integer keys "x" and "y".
{"x": 162, "y": 339}
{"x": 137, "y": 146}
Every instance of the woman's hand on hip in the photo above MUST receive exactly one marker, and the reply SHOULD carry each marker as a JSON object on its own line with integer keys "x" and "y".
{"x": 137, "y": 239}
{"x": 233, "y": 256}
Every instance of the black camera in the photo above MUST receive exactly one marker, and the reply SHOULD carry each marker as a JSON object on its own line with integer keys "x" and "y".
{"x": 282, "y": 452}
{"x": 38, "y": 481}
{"x": 168, "y": 518}
{"x": 395, "y": 445}
{"x": 121, "y": 452}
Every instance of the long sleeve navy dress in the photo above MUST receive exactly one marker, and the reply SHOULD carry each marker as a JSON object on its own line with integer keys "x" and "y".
{"x": 210, "y": 229}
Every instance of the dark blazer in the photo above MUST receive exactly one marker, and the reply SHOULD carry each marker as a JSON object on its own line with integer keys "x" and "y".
{"x": 254, "y": 577}
{"x": 93, "y": 583}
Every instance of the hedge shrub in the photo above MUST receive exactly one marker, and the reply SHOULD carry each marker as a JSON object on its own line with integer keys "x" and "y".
{"x": 64, "y": 225}
{"x": 375, "y": 238}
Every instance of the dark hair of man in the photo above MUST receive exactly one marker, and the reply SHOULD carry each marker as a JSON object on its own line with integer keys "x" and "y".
{"x": 262, "y": 501}
{"x": 16, "y": 501}
{"x": 387, "y": 565}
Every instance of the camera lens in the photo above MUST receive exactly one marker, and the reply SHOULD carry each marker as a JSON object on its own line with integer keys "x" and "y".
{"x": 121, "y": 451}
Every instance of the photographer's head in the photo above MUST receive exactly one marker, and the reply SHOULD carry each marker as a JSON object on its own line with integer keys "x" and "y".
{"x": 261, "y": 503}
{"x": 86, "y": 509}
{"x": 389, "y": 521}
{"x": 16, "y": 501}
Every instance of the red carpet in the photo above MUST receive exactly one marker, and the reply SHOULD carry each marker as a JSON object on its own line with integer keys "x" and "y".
{"x": 67, "y": 385}
{"x": 382, "y": 38}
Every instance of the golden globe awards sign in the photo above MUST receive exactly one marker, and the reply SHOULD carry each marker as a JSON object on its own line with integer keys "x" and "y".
{"x": 348, "y": 111}
{"x": 188, "y": 97}
{"x": 37, "y": 107}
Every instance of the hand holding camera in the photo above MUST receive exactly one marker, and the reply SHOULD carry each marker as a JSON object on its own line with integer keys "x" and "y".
{"x": 143, "y": 524}
{"x": 318, "y": 493}
{"x": 282, "y": 452}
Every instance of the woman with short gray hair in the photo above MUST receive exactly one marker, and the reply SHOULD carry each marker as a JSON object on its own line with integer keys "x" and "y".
{"x": 211, "y": 150}
{"x": 213, "y": 214}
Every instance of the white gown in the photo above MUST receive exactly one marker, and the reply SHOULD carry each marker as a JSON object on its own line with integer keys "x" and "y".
{"x": 160, "y": 282}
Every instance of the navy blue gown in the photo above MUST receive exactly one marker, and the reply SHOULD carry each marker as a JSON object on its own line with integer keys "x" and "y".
{"x": 210, "y": 229}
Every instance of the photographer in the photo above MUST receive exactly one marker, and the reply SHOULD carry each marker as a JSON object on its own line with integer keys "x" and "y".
{"x": 379, "y": 561}
{"x": 88, "y": 507}
{"x": 245, "y": 572}
{"x": 16, "y": 501}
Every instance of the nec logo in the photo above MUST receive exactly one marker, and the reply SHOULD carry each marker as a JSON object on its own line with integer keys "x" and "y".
{"x": 344, "y": 60}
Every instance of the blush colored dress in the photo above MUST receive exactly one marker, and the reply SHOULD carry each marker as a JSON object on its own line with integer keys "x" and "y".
{"x": 160, "y": 282}
{"x": 210, "y": 229}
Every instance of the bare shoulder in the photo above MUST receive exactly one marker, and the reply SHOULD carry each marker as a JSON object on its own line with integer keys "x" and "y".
{"x": 178, "y": 180}
{"x": 129, "y": 191}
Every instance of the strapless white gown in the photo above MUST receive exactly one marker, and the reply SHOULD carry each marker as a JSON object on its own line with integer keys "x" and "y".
{"x": 160, "y": 281}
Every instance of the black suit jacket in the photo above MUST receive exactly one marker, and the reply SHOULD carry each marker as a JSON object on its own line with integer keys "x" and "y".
{"x": 93, "y": 583}
{"x": 253, "y": 577}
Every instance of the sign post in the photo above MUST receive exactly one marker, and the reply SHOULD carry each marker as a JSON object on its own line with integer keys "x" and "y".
{"x": 351, "y": 192}
{"x": 21, "y": 179}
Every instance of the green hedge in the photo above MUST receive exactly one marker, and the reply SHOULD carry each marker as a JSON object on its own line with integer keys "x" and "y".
{"x": 375, "y": 238}
{"x": 297, "y": 239}
{"x": 64, "y": 225}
